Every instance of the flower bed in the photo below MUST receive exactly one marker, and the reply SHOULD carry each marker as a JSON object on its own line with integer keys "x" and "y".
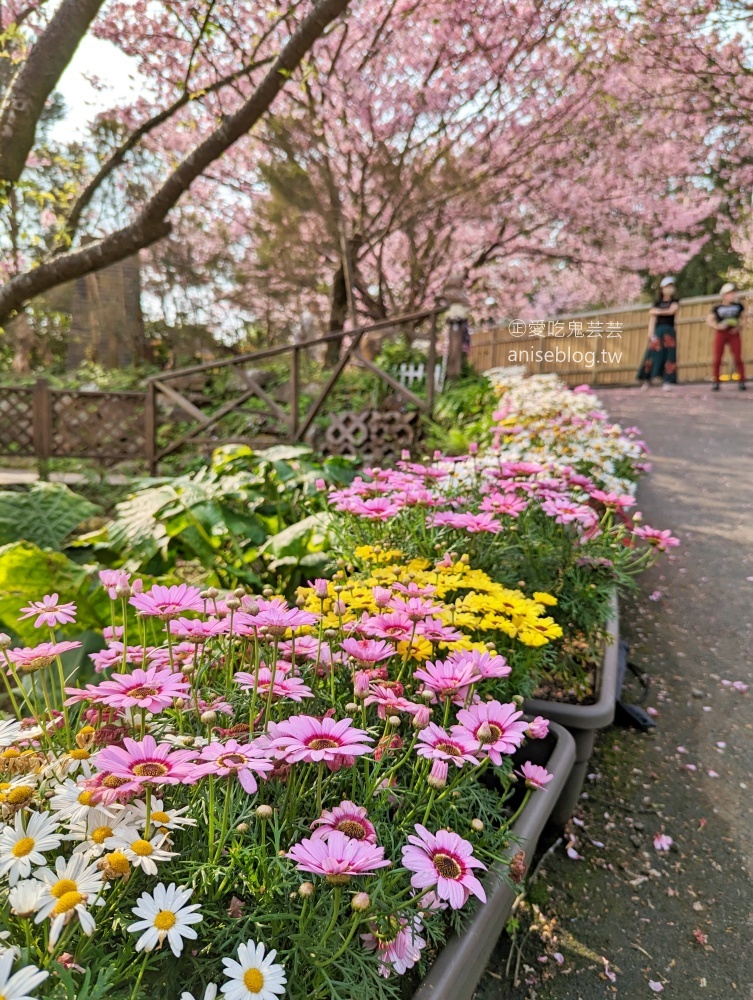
{"x": 267, "y": 800}
{"x": 291, "y": 799}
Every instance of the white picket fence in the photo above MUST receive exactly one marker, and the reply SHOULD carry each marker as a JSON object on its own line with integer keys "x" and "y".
{"x": 410, "y": 373}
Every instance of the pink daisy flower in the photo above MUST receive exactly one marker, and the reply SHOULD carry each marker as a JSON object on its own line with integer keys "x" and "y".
{"x": 105, "y": 659}
{"x": 538, "y": 729}
{"x": 436, "y": 744}
{"x": 413, "y": 590}
{"x": 367, "y": 651}
{"x": 147, "y": 761}
{"x": 415, "y": 608}
{"x": 389, "y": 699}
{"x": 491, "y": 728}
{"x": 435, "y": 630}
{"x": 30, "y": 658}
{"x": 448, "y": 679}
{"x": 534, "y": 775}
{"x": 276, "y": 619}
{"x": 338, "y": 857}
{"x": 446, "y": 861}
{"x": 662, "y": 540}
{"x": 612, "y": 499}
{"x": 152, "y": 689}
{"x": 303, "y": 647}
{"x": 565, "y": 511}
{"x": 244, "y": 760}
{"x": 395, "y": 625}
{"x": 306, "y": 738}
{"x": 168, "y": 602}
{"x": 50, "y": 612}
{"x": 196, "y": 630}
{"x": 283, "y": 687}
{"x": 348, "y": 819}
{"x": 400, "y": 953}
{"x": 374, "y": 509}
{"x": 486, "y": 664}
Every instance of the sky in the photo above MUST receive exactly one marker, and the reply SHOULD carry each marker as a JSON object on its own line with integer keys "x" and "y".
{"x": 103, "y": 60}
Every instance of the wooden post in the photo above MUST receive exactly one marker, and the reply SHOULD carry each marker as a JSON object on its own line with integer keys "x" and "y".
{"x": 150, "y": 428}
{"x": 294, "y": 391}
{"x": 42, "y": 425}
{"x": 431, "y": 362}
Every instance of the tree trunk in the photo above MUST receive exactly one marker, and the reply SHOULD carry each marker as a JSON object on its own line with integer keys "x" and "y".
{"x": 27, "y": 93}
{"x": 151, "y": 224}
{"x": 338, "y": 313}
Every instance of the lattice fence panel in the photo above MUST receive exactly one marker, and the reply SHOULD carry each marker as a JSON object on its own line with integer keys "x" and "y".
{"x": 373, "y": 435}
{"x": 104, "y": 425}
{"x": 16, "y": 421}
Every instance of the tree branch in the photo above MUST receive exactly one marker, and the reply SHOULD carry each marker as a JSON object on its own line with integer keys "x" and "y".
{"x": 24, "y": 100}
{"x": 151, "y": 224}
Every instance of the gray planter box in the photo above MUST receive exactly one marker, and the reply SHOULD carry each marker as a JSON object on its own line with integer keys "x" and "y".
{"x": 583, "y": 721}
{"x": 461, "y": 963}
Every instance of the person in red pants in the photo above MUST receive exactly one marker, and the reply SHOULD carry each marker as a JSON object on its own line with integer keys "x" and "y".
{"x": 726, "y": 319}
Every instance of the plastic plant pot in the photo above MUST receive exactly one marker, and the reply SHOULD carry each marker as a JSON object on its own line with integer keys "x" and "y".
{"x": 459, "y": 966}
{"x": 584, "y": 721}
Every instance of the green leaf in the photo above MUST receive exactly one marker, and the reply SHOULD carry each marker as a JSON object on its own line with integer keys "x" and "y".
{"x": 27, "y": 573}
{"x": 309, "y": 535}
{"x": 45, "y": 514}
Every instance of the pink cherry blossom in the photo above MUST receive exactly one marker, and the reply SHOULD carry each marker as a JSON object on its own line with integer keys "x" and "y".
{"x": 662, "y": 842}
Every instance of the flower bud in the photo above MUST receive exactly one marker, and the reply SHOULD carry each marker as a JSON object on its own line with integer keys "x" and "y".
{"x": 212, "y": 592}
{"x": 321, "y": 588}
{"x": 465, "y": 558}
{"x": 264, "y": 812}
{"x": 321, "y": 484}
{"x": 351, "y": 707}
{"x": 538, "y": 729}
{"x": 477, "y": 825}
{"x": 5, "y": 640}
{"x": 239, "y": 592}
{"x": 360, "y": 684}
{"x": 518, "y": 699}
{"x": 306, "y": 889}
{"x": 393, "y": 720}
{"x": 518, "y": 867}
{"x": 421, "y": 717}
{"x": 267, "y": 591}
{"x": 232, "y": 603}
{"x": 208, "y": 718}
{"x": 484, "y": 733}
{"x": 242, "y": 828}
{"x": 473, "y": 448}
{"x": 382, "y": 596}
{"x": 427, "y": 695}
{"x": 179, "y": 703}
{"x": 339, "y": 607}
{"x": 438, "y": 774}
{"x": 251, "y": 607}
{"x": 360, "y": 902}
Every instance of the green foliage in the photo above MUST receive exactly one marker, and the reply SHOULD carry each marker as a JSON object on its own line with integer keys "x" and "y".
{"x": 27, "y": 573}
{"x": 45, "y": 514}
{"x": 461, "y": 414}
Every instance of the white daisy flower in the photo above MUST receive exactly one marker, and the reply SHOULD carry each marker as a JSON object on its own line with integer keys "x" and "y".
{"x": 253, "y": 977}
{"x": 210, "y": 993}
{"x": 163, "y": 819}
{"x": 69, "y": 890}
{"x": 74, "y": 762}
{"x": 98, "y": 827}
{"x": 18, "y": 985}
{"x": 164, "y": 914}
{"x": 9, "y": 732}
{"x": 72, "y": 802}
{"x": 143, "y": 854}
{"x": 21, "y": 848}
{"x": 24, "y": 897}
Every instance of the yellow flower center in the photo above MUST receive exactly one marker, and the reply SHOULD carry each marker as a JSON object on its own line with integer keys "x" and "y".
{"x": 85, "y": 798}
{"x": 253, "y": 980}
{"x": 23, "y": 847}
{"x": 80, "y": 754}
{"x": 66, "y": 902}
{"x": 322, "y": 743}
{"x": 164, "y": 920}
{"x": 152, "y": 769}
{"x": 100, "y": 835}
{"x": 65, "y": 885}
{"x": 160, "y": 817}
{"x": 447, "y": 866}
{"x": 17, "y": 796}
{"x": 117, "y": 863}
{"x": 142, "y": 847}
{"x": 113, "y": 781}
{"x": 6, "y": 755}
{"x": 352, "y": 828}
{"x": 142, "y": 692}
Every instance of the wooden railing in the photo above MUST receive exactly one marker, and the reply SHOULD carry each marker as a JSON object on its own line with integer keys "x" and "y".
{"x": 288, "y": 422}
{"x": 620, "y": 332}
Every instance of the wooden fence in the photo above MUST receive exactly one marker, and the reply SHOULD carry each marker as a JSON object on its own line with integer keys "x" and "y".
{"x": 603, "y": 347}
